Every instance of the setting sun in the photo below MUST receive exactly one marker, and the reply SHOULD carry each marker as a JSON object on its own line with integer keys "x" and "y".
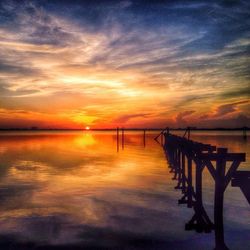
{"x": 87, "y": 128}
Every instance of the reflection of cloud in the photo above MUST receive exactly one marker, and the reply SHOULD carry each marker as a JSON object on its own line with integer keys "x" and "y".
{"x": 15, "y": 193}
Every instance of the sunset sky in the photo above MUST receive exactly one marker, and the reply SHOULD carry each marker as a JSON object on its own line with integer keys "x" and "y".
{"x": 71, "y": 64}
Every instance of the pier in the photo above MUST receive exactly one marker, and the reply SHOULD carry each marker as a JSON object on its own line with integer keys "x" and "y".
{"x": 187, "y": 159}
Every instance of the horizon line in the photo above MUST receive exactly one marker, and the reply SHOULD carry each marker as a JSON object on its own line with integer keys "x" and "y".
{"x": 120, "y": 128}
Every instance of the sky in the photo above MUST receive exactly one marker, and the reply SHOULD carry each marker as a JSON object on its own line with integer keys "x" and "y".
{"x": 137, "y": 64}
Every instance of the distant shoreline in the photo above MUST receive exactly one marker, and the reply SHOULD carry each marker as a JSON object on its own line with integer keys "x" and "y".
{"x": 126, "y": 129}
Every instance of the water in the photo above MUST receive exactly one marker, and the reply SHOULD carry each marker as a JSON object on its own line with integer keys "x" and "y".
{"x": 70, "y": 189}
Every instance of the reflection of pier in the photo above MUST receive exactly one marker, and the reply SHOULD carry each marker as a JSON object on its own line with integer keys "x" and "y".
{"x": 184, "y": 157}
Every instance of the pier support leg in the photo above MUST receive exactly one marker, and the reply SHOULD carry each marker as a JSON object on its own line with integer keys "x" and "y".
{"x": 218, "y": 200}
{"x": 183, "y": 173}
{"x": 178, "y": 168}
{"x": 117, "y": 139}
{"x": 200, "y": 221}
{"x": 190, "y": 182}
{"x": 144, "y": 138}
{"x": 122, "y": 138}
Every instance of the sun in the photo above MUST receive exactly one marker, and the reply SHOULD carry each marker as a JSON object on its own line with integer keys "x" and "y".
{"x": 87, "y": 128}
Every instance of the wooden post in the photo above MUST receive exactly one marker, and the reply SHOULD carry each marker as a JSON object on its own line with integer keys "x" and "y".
{"x": 183, "y": 170}
{"x": 190, "y": 180}
{"x": 179, "y": 167}
{"x": 244, "y": 133}
{"x": 122, "y": 138}
{"x": 175, "y": 163}
{"x": 198, "y": 192}
{"x": 144, "y": 138}
{"x": 188, "y": 133}
{"x": 198, "y": 183}
{"x": 117, "y": 139}
{"x": 218, "y": 199}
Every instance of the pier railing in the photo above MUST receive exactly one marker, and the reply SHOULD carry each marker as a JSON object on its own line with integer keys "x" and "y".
{"x": 185, "y": 157}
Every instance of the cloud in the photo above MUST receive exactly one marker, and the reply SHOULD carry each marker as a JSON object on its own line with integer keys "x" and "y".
{"x": 125, "y": 118}
{"x": 236, "y": 93}
{"x": 130, "y": 60}
{"x": 226, "y": 109}
{"x": 231, "y": 122}
{"x": 180, "y": 118}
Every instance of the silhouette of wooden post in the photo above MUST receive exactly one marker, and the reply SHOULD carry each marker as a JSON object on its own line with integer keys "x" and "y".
{"x": 244, "y": 133}
{"x": 198, "y": 183}
{"x": 190, "y": 180}
{"x": 122, "y": 138}
{"x": 168, "y": 132}
{"x": 183, "y": 173}
{"x": 175, "y": 163}
{"x": 198, "y": 191}
{"x": 188, "y": 132}
{"x": 144, "y": 138}
{"x": 179, "y": 167}
{"x": 117, "y": 139}
{"x": 218, "y": 198}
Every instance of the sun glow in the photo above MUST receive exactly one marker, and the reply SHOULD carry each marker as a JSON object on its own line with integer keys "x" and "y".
{"x": 87, "y": 128}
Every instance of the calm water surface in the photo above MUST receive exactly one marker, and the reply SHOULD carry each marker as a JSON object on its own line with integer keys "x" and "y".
{"x": 74, "y": 188}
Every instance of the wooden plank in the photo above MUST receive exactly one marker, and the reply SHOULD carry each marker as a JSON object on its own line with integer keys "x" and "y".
{"x": 228, "y": 157}
{"x": 241, "y": 174}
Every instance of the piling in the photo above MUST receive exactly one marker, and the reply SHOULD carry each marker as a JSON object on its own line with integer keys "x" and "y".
{"x": 117, "y": 139}
{"x": 122, "y": 138}
{"x": 144, "y": 138}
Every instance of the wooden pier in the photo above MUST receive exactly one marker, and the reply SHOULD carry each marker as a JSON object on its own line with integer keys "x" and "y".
{"x": 185, "y": 157}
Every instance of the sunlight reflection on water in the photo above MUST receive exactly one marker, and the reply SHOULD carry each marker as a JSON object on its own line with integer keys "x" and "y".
{"x": 73, "y": 187}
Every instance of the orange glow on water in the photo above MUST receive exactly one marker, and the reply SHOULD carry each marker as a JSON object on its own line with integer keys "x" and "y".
{"x": 80, "y": 179}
